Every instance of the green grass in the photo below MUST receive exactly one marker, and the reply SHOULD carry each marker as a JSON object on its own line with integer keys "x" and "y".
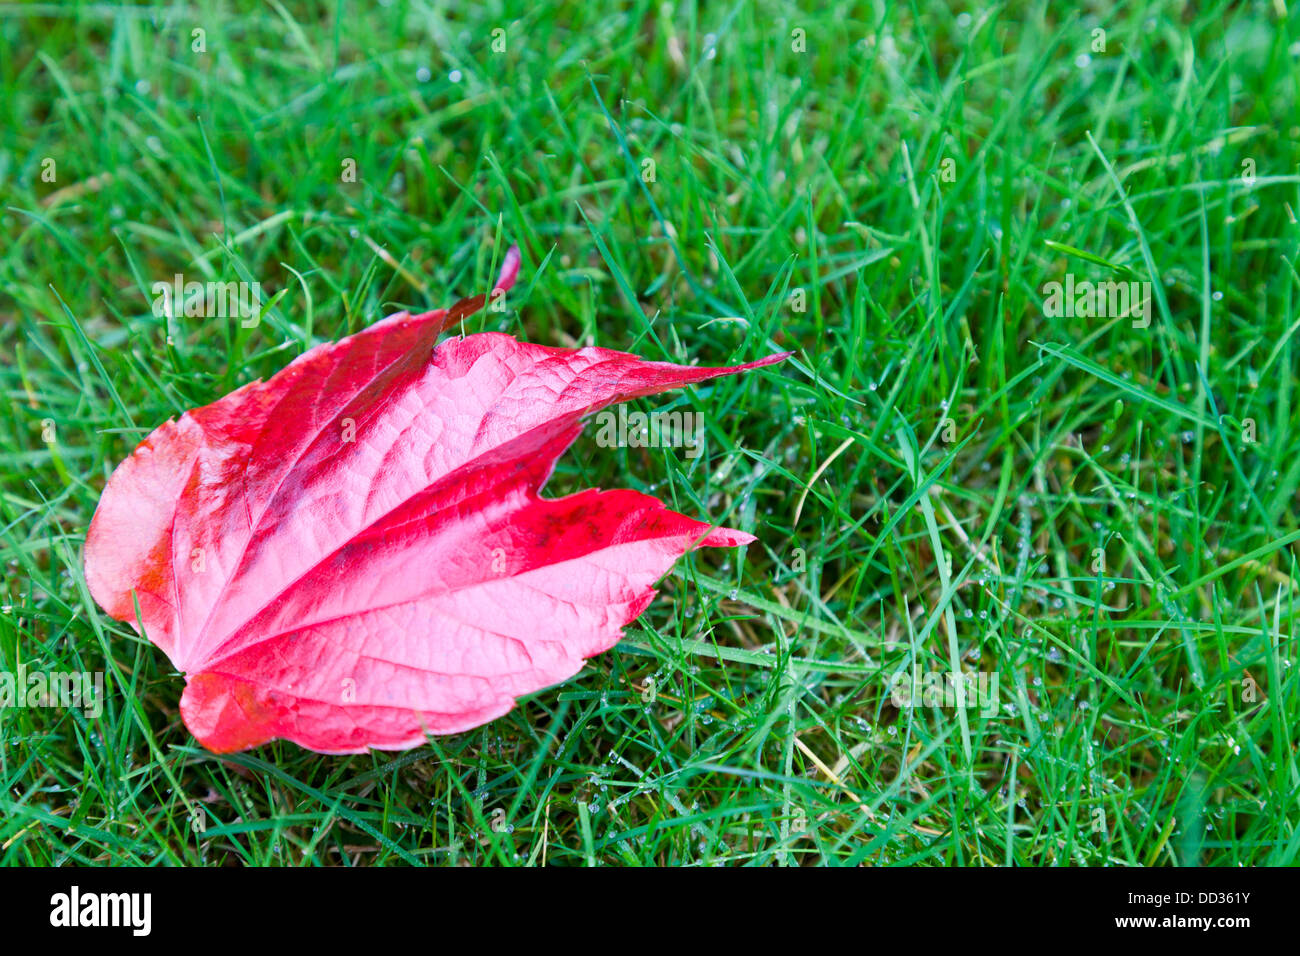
{"x": 1148, "y": 703}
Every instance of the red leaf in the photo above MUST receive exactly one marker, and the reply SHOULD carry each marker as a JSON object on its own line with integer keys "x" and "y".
{"x": 354, "y": 553}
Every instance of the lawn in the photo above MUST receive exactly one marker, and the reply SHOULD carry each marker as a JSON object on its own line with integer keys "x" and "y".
{"x": 1039, "y": 269}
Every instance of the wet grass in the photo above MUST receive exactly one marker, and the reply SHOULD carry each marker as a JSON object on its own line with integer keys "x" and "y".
{"x": 1092, "y": 515}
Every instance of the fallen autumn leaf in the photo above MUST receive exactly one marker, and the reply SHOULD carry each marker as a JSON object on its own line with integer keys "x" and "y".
{"x": 354, "y": 553}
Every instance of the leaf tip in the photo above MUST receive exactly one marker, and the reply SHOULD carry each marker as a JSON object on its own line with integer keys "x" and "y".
{"x": 509, "y": 270}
